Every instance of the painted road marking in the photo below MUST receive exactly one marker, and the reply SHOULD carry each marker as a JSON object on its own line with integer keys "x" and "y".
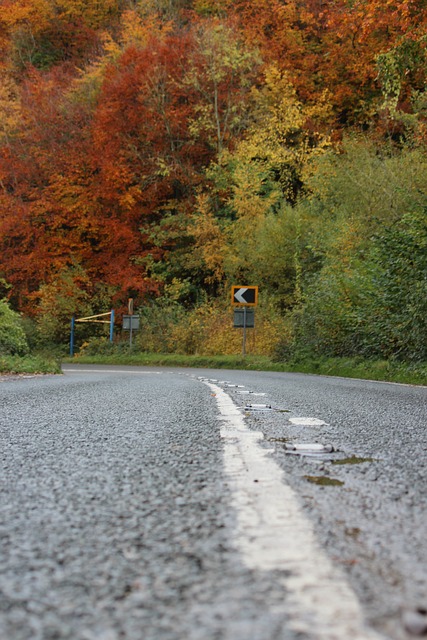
{"x": 110, "y": 371}
{"x": 307, "y": 422}
{"x": 273, "y": 534}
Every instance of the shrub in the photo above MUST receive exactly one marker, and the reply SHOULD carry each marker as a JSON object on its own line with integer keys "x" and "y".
{"x": 12, "y": 334}
{"x": 207, "y": 329}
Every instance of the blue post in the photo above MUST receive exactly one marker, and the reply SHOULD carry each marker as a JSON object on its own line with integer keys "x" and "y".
{"x": 112, "y": 325}
{"x": 73, "y": 324}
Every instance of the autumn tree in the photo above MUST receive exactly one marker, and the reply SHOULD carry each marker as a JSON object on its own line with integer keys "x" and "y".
{"x": 256, "y": 187}
{"x": 166, "y": 110}
{"x": 221, "y": 74}
{"x": 50, "y": 215}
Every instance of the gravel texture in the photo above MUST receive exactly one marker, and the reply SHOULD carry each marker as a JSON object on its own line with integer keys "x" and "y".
{"x": 115, "y": 516}
{"x": 374, "y": 524}
{"x": 115, "y": 513}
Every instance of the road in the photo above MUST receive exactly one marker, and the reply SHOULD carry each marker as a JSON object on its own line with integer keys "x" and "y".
{"x": 156, "y": 504}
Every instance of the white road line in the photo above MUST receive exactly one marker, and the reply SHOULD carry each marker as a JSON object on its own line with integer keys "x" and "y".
{"x": 307, "y": 422}
{"x": 110, "y": 371}
{"x": 273, "y": 534}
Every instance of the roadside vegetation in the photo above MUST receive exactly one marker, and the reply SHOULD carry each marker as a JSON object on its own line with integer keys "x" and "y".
{"x": 166, "y": 150}
{"x": 101, "y": 351}
{"x": 28, "y": 365}
{"x": 24, "y": 351}
{"x": 15, "y": 356}
{"x": 379, "y": 370}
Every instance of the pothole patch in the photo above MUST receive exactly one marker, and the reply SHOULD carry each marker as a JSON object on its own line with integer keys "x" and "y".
{"x": 324, "y": 481}
{"x": 353, "y": 460}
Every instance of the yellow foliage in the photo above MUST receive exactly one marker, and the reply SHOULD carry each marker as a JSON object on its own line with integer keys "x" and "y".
{"x": 10, "y": 109}
{"x": 86, "y": 87}
{"x": 94, "y": 14}
{"x": 248, "y": 199}
{"x": 208, "y": 330}
{"x": 130, "y": 197}
{"x": 33, "y": 15}
{"x": 277, "y": 134}
{"x": 209, "y": 241}
{"x": 137, "y": 29}
{"x": 226, "y": 64}
{"x": 210, "y": 7}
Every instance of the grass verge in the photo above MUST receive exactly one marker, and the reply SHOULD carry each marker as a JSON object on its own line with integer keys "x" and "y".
{"x": 28, "y": 364}
{"x": 380, "y": 370}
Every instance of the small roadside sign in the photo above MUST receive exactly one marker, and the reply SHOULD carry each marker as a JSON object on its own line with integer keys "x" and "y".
{"x": 130, "y": 323}
{"x": 244, "y": 296}
{"x": 244, "y": 318}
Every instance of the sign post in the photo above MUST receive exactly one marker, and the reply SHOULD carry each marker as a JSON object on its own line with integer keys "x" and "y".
{"x": 244, "y": 333}
{"x": 130, "y": 323}
{"x": 244, "y": 297}
{"x": 73, "y": 326}
{"x": 112, "y": 325}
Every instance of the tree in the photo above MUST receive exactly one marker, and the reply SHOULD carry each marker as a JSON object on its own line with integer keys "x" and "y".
{"x": 67, "y": 294}
{"x": 265, "y": 176}
{"x": 43, "y": 33}
{"x": 221, "y": 74}
{"x": 367, "y": 229}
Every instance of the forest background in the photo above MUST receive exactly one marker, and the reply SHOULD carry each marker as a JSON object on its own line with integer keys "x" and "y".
{"x": 164, "y": 150}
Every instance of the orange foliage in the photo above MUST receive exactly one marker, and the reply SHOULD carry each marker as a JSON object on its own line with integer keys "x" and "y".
{"x": 332, "y": 45}
{"x": 87, "y": 168}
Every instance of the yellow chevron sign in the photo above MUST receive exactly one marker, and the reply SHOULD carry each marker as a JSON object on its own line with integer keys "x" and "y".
{"x": 244, "y": 295}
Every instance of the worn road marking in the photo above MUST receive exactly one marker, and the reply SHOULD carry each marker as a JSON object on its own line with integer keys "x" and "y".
{"x": 110, "y": 371}
{"x": 307, "y": 422}
{"x": 273, "y": 534}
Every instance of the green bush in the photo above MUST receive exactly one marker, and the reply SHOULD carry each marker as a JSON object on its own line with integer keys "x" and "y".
{"x": 158, "y": 321}
{"x": 396, "y": 309}
{"x": 12, "y": 334}
{"x": 28, "y": 364}
{"x": 97, "y": 347}
{"x": 374, "y": 306}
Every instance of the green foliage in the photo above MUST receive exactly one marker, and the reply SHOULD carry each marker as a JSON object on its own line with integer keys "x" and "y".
{"x": 356, "y": 192}
{"x": 401, "y": 66}
{"x": 97, "y": 346}
{"x": 157, "y": 322}
{"x": 12, "y": 334}
{"x": 375, "y": 308}
{"x": 65, "y": 296}
{"x": 397, "y": 301}
{"x": 364, "y": 284}
{"x": 102, "y": 346}
{"x": 28, "y": 364}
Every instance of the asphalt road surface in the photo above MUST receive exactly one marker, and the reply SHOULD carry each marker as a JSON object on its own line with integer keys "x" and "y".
{"x": 160, "y": 504}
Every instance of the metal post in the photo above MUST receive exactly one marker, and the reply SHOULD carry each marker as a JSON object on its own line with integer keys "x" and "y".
{"x": 130, "y": 332}
{"x": 244, "y": 333}
{"x": 73, "y": 324}
{"x": 112, "y": 325}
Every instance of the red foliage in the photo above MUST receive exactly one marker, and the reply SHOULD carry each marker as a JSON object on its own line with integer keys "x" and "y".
{"x": 85, "y": 183}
